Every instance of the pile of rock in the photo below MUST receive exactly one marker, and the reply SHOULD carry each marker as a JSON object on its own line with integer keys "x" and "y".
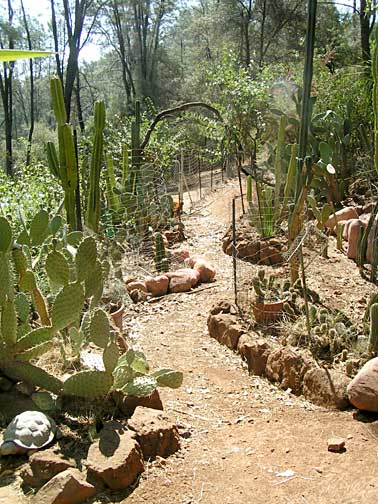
{"x": 352, "y": 222}
{"x": 114, "y": 461}
{"x": 196, "y": 270}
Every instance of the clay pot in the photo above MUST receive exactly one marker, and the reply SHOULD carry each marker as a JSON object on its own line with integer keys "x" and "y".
{"x": 267, "y": 312}
{"x": 117, "y": 316}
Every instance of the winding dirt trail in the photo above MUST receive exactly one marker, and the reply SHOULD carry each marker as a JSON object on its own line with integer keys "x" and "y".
{"x": 238, "y": 431}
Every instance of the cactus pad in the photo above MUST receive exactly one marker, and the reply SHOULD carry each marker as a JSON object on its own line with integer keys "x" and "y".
{"x": 9, "y": 322}
{"x": 39, "y": 227}
{"x": 32, "y": 374}
{"x": 86, "y": 258}
{"x": 67, "y": 306}
{"x": 110, "y": 357}
{"x": 57, "y": 268}
{"x": 88, "y": 384}
{"x": 6, "y": 237}
{"x": 168, "y": 378}
{"x": 99, "y": 331}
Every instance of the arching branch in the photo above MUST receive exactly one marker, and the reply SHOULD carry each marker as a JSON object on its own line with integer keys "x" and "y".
{"x": 177, "y": 110}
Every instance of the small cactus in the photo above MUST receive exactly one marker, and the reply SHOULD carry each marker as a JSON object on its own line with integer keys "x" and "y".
{"x": 373, "y": 336}
{"x": 161, "y": 260}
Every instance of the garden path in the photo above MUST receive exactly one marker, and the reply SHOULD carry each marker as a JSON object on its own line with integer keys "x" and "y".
{"x": 239, "y": 431}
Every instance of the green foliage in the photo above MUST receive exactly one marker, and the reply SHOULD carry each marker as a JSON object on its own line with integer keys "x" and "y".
{"x": 373, "y": 335}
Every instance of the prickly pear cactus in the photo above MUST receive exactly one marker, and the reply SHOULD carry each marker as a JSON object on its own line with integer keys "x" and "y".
{"x": 373, "y": 336}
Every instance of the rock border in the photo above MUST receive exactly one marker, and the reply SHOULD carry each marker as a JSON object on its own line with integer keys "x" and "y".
{"x": 289, "y": 367}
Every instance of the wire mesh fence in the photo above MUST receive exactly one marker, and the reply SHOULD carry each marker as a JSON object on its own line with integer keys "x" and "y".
{"x": 166, "y": 195}
{"x": 261, "y": 260}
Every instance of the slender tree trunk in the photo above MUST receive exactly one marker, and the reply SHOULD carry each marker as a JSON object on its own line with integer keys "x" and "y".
{"x": 59, "y": 69}
{"x": 31, "y": 128}
{"x": 78, "y": 104}
{"x": 365, "y": 30}
{"x": 262, "y": 35}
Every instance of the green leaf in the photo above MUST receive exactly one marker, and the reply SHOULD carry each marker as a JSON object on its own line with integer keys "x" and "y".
{"x": 140, "y": 386}
{"x": 15, "y": 54}
{"x": 325, "y": 152}
{"x": 168, "y": 378}
{"x": 6, "y": 236}
{"x": 67, "y": 306}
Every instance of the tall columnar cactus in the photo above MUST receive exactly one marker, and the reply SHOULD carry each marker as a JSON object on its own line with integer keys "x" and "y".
{"x": 111, "y": 184}
{"x": 373, "y": 336}
{"x": 64, "y": 166}
{"x": 375, "y": 97}
{"x": 249, "y": 190}
{"x": 278, "y": 164}
{"x": 161, "y": 261}
{"x": 94, "y": 197}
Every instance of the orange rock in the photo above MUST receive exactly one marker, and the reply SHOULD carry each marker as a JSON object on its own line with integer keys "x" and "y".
{"x": 205, "y": 269}
{"x": 347, "y": 213}
{"x": 138, "y": 285}
{"x": 157, "y": 286}
{"x": 353, "y": 234}
{"x": 186, "y": 272}
{"x": 190, "y": 261}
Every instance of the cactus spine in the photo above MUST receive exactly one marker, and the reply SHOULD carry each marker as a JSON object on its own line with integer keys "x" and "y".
{"x": 94, "y": 200}
{"x": 373, "y": 336}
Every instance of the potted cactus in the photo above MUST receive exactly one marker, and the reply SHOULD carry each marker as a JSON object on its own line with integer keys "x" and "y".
{"x": 270, "y": 297}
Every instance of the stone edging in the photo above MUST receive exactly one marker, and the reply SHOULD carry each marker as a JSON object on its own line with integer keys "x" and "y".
{"x": 286, "y": 366}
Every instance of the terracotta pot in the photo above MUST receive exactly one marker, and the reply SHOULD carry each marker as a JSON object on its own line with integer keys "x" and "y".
{"x": 267, "y": 312}
{"x": 117, "y": 317}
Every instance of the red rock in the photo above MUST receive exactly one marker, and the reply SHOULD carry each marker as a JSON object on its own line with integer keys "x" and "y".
{"x": 180, "y": 283}
{"x": 326, "y": 387}
{"x": 136, "y": 285}
{"x": 67, "y": 487}
{"x": 255, "y": 352}
{"x": 44, "y": 465}
{"x": 287, "y": 366}
{"x": 127, "y": 404}
{"x": 218, "y": 325}
{"x": 353, "y": 233}
{"x": 231, "y": 336}
{"x": 205, "y": 269}
{"x": 156, "y": 432}
{"x": 269, "y": 255}
{"x": 190, "y": 261}
{"x": 115, "y": 459}
{"x": 157, "y": 286}
{"x": 347, "y": 213}
{"x": 336, "y": 444}
{"x": 363, "y": 389}
{"x": 184, "y": 274}
{"x": 179, "y": 256}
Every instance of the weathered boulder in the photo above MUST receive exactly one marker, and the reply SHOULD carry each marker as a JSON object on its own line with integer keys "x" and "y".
{"x": 353, "y": 233}
{"x": 255, "y": 352}
{"x": 287, "y": 366}
{"x": 218, "y": 325}
{"x": 245, "y": 249}
{"x": 157, "y": 286}
{"x": 155, "y": 431}
{"x": 269, "y": 254}
{"x": 178, "y": 255}
{"x": 190, "y": 261}
{"x": 326, "y": 387}
{"x": 182, "y": 280}
{"x": 44, "y": 465}
{"x": 205, "y": 269}
{"x": 67, "y": 487}
{"x": 363, "y": 389}
{"x": 138, "y": 285}
{"x": 230, "y": 337}
{"x": 127, "y": 404}
{"x": 115, "y": 458}
{"x": 347, "y": 213}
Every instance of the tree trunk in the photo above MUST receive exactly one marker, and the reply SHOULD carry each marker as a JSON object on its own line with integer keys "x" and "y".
{"x": 31, "y": 127}
{"x": 365, "y": 30}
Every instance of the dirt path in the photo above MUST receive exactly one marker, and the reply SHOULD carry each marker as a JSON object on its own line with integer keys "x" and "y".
{"x": 238, "y": 431}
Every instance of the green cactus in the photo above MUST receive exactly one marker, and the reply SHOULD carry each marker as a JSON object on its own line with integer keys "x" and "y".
{"x": 94, "y": 200}
{"x": 375, "y": 96}
{"x": 249, "y": 190}
{"x": 99, "y": 329}
{"x": 67, "y": 306}
{"x": 111, "y": 184}
{"x": 278, "y": 165}
{"x": 57, "y": 268}
{"x": 373, "y": 335}
{"x": 88, "y": 384}
{"x": 64, "y": 166}
{"x": 161, "y": 260}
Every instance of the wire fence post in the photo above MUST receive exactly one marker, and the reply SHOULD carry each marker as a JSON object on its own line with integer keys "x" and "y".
{"x": 199, "y": 177}
{"x": 234, "y": 265}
